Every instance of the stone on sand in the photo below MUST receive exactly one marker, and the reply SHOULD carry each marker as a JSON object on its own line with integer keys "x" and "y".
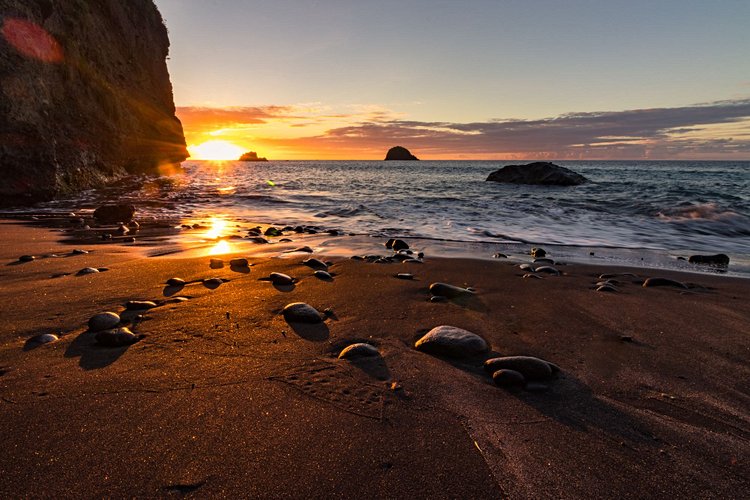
{"x": 176, "y": 282}
{"x": 281, "y": 279}
{"x": 87, "y": 270}
{"x": 299, "y": 312}
{"x": 450, "y": 291}
{"x": 530, "y": 367}
{"x": 26, "y": 258}
{"x": 452, "y": 341}
{"x": 359, "y": 350}
{"x": 323, "y": 275}
{"x": 652, "y": 282}
{"x": 103, "y": 321}
{"x": 509, "y": 378}
{"x": 316, "y": 264}
{"x": 137, "y": 305}
{"x": 239, "y": 263}
{"x": 44, "y": 338}
{"x": 116, "y": 337}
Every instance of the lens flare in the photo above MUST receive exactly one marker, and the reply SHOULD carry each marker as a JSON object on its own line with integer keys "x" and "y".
{"x": 31, "y": 40}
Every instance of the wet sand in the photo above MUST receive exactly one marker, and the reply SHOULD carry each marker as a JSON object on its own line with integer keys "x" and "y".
{"x": 222, "y": 397}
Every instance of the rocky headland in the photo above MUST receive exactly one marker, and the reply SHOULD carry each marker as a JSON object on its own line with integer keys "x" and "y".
{"x": 85, "y": 96}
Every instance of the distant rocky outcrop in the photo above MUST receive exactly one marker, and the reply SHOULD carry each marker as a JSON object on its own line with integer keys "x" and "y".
{"x": 400, "y": 153}
{"x": 540, "y": 172}
{"x": 251, "y": 156}
{"x": 85, "y": 96}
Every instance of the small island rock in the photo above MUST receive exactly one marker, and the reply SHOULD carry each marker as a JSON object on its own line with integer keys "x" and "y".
{"x": 400, "y": 153}
{"x": 251, "y": 156}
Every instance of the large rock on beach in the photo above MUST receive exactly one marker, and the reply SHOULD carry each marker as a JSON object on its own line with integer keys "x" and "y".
{"x": 359, "y": 350}
{"x": 450, "y": 291}
{"x": 299, "y": 312}
{"x": 103, "y": 321}
{"x": 400, "y": 153}
{"x": 117, "y": 337}
{"x": 452, "y": 341}
{"x": 85, "y": 96}
{"x": 540, "y": 173}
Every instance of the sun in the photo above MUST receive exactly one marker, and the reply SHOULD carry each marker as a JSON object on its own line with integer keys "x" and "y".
{"x": 215, "y": 150}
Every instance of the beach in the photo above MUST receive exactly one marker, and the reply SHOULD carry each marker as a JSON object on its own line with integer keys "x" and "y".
{"x": 221, "y": 396}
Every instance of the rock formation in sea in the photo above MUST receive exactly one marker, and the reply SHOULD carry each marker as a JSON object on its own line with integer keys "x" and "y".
{"x": 399, "y": 153}
{"x": 251, "y": 156}
{"x": 85, "y": 96}
{"x": 539, "y": 172}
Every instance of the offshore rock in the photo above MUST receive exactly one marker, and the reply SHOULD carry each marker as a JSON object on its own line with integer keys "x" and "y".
{"x": 85, "y": 96}
{"x": 400, "y": 153}
{"x": 540, "y": 173}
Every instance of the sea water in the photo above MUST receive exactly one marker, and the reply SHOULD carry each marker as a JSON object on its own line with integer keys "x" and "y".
{"x": 665, "y": 207}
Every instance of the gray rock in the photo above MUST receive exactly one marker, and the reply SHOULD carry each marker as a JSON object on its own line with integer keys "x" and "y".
{"x": 44, "y": 338}
{"x": 78, "y": 251}
{"x": 451, "y": 341}
{"x": 117, "y": 337}
{"x": 26, "y": 258}
{"x": 449, "y": 291}
{"x": 315, "y": 264}
{"x": 399, "y": 245}
{"x": 412, "y": 261}
{"x": 547, "y": 270}
{"x": 720, "y": 259}
{"x": 299, "y": 312}
{"x": 544, "y": 261}
{"x": 526, "y": 267}
{"x": 176, "y": 282}
{"x": 652, "y": 282}
{"x": 438, "y": 298}
{"x": 508, "y": 378}
{"x": 405, "y": 276}
{"x": 323, "y": 275}
{"x": 281, "y": 279}
{"x": 103, "y": 321}
{"x": 532, "y": 276}
{"x": 537, "y": 173}
{"x": 538, "y": 253}
{"x": 137, "y": 305}
{"x": 359, "y": 350}
{"x": 87, "y": 270}
{"x": 607, "y": 288}
{"x": 499, "y": 256}
{"x": 531, "y": 368}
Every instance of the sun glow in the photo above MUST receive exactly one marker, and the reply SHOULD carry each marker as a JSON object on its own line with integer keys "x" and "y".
{"x": 215, "y": 150}
{"x": 217, "y": 228}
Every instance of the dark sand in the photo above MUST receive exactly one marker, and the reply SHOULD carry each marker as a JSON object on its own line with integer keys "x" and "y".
{"x": 223, "y": 398}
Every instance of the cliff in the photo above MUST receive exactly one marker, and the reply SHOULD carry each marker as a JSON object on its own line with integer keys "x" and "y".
{"x": 85, "y": 96}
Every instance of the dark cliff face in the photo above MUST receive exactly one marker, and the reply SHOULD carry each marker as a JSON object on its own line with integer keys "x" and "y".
{"x": 85, "y": 95}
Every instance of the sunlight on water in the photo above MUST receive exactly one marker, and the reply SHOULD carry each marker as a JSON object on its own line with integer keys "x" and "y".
{"x": 221, "y": 247}
{"x": 218, "y": 225}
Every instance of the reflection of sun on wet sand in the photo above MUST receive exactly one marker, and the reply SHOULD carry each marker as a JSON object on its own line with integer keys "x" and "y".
{"x": 240, "y": 379}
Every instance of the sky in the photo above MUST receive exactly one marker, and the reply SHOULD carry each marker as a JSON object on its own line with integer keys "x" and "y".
{"x": 475, "y": 79}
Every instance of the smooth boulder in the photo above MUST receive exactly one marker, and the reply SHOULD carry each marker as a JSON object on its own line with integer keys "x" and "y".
{"x": 537, "y": 173}
{"x": 359, "y": 350}
{"x": 452, "y": 341}
{"x": 710, "y": 260}
{"x": 450, "y": 291}
{"x": 103, "y": 321}
{"x": 530, "y": 367}
{"x": 117, "y": 337}
{"x": 299, "y": 312}
{"x": 281, "y": 279}
{"x": 508, "y": 378}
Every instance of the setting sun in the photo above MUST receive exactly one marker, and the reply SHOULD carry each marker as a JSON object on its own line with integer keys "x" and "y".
{"x": 215, "y": 150}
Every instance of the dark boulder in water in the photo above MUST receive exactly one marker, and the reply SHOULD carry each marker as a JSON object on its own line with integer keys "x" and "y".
{"x": 400, "y": 153}
{"x": 710, "y": 260}
{"x": 540, "y": 173}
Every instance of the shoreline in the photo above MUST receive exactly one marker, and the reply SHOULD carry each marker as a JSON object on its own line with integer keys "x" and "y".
{"x": 223, "y": 396}
{"x": 174, "y": 234}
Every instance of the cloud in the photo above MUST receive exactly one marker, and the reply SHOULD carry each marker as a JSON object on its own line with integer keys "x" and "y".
{"x": 718, "y": 129}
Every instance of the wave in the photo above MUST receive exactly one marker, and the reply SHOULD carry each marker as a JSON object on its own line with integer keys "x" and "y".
{"x": 347, "y": 211}
{"x": 702, "y": 211}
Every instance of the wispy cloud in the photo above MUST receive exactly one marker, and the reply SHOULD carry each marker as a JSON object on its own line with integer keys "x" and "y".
{"x": 718, "y": 129}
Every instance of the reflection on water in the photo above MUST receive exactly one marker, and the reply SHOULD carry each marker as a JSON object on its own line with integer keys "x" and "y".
{"x": 216, "y": 230}
{"x": 221, "y": 247}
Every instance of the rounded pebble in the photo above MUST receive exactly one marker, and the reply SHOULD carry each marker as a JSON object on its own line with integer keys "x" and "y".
{"x": 450, "y": 291}
{"x": 548, "y": 270}
{"x": 606, "y": 288}
{"x": 78, "y": 251}
{"x": 213, "y": 282}
{"x": 532, "y": 276}
{"x": 452, "y": 341}
{"x": 44, "y": 338}
{"x": 405, "y": 276}
{"x": 299, "y": 312}
{"x": 530, "y": 367}
{"x": 281, "y": 279}
{"x": 508, "y": 378}
{"x": 651, "y": 282}
{"x": 216, "y": 263}
{"x": 87, "y": 270}
{"x": 526, "y": 267}
{"x": 26, "y": 258}
{"x": 315, "y": 264}
{"x": 323, "y": 275}
{"x": 239, "y": 263}
{"x": 117, "y": 337}
{"x": 359, "y": 350}
{"x": 103, "y": 321}
{"x": 538, "y": 252}
{"x": 176, "y": 282}
{"x": 137, "y": 305}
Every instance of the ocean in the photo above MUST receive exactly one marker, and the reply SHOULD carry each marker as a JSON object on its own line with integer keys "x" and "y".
{"x": 658, "y": 209}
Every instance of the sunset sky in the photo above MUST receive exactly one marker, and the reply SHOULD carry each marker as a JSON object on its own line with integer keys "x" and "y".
{"x": 480, "y": 79}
